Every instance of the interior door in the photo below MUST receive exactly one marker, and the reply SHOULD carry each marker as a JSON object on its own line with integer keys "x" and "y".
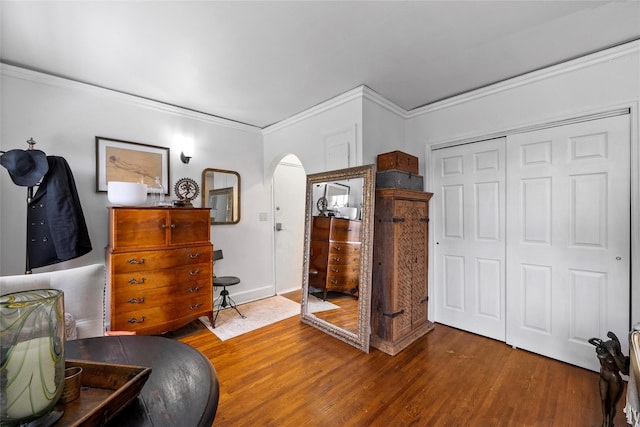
{"x": 469, "y": 227}
{"x": 568, "y": 238}
{"x": 289, "y": 187}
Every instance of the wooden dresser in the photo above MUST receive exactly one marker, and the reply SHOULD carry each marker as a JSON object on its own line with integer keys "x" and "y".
{"x": 334, "y": 260}
{"x": 399, "y": 291}
{"x": 159, "y": 268}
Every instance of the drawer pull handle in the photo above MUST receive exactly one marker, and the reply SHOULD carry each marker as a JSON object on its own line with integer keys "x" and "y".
{"x": 134, "y": 320}
{"x": 336, "y": 259}
{"x": 196, "y": 289}
{"x": 165, "y": 226}
{"x": 194, "y": 306}
{"x": 425, "y": 299}
{"x": 194, "y": 273}
{"x": 135, "y": 261}
{"x": 392, "y": 315}
{"x": 196, "y": 255}
{"x": 334, "y": 282}
{"x": 137, "y": 282}
{"x": 136, "y": 300}
{"x": 337, "y": 248}
{"x": 335, "y": 270}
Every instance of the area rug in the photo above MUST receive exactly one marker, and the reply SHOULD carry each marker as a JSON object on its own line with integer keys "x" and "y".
{"x": 256, "y": 315}
{"x": 316, "y": 304}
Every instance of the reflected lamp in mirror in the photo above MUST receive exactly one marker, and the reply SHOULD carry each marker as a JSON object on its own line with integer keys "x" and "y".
{"x": 221, "y": 193}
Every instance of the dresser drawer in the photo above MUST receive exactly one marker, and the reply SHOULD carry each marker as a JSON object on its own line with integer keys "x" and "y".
{"x": 146, "y": 317}
{"x": 343, "y": 270}
{"x": 344, "y": 230}
{"x": 339, "y": 248}
{"x": 341, "y": 259}
{"x": 342, "y": 282}
{"x": 151, "y": 260}
{"x": 135, "y": 299}
{"x": 158, "y": 278}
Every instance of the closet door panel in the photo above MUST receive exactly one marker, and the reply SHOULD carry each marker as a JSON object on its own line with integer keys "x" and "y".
{"x": 469, "y": 227}
{"x": 568, "y": 240}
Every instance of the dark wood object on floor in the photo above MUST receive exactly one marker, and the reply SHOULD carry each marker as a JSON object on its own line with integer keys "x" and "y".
{"x": 289, "y": 374}
{"x": 612, "y": 363}
{"x": 399, "y": 295}
{"x": 159, "y": 268}
{"x": 182, "y": 389}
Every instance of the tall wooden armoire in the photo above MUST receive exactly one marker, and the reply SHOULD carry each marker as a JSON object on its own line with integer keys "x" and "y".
{"x": 399, "y": 297}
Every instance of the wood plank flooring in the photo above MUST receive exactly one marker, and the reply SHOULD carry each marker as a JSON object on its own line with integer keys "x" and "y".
{"x": 290, "y": 374}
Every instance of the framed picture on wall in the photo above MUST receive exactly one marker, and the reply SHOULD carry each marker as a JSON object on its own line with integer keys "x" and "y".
{"x": 118, "y": 160}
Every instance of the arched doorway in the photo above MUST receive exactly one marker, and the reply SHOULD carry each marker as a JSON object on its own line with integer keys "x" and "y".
{"x": 289, "y": 192}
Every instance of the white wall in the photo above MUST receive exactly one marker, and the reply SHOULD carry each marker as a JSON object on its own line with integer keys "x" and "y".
{"x": 307, "y": 134}
{"x": 64, "y": 117}
{"x": 383, "y": 128}
{"x": 592, "y": 84}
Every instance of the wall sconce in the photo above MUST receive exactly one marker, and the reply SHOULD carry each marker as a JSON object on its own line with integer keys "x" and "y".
{"x": 187, "y": 150}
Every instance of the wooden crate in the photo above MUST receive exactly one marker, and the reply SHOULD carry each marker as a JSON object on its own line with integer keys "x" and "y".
{"x": 397, "y": 160}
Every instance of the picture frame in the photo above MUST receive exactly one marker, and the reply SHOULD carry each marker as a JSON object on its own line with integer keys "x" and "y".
{"x": 118, "y": 160}
{"x": 221, "y": 204}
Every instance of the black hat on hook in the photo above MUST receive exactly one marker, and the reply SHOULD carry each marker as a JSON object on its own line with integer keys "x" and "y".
{"x": 26, "y": 167}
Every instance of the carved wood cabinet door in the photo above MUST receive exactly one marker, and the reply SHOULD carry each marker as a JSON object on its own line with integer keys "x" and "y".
{"x": 400, "y": 268}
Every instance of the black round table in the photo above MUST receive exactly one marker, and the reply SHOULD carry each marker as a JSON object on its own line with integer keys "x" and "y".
{"x": 183, "y": 388}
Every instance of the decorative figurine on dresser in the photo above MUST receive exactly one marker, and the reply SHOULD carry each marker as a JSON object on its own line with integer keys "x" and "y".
{"x": 399, "y": 298}
{"x": 159, "y": 268}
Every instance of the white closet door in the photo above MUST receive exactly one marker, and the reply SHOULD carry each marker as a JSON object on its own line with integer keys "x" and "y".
{"x": 568, "y": 238}
{"x": 469, "y": 223}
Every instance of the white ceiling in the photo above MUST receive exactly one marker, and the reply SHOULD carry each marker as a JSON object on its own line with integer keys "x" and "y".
{"x": 263, "y": 61}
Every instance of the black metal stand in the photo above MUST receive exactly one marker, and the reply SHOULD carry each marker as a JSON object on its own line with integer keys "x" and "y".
{"x": 224, "y": 300}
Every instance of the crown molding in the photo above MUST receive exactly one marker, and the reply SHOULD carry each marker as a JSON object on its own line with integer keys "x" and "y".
{"x": 48, "y": 79}
{"x": 334, "y": 102}
{"x": 375, "y": 97}
{"x": 532, "y": 77}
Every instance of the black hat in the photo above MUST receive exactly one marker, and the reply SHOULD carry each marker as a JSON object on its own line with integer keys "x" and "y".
{"x": 26, "y": 167}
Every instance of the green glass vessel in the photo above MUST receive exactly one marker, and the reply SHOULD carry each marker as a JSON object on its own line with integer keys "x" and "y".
{"x": 31, "y": 354}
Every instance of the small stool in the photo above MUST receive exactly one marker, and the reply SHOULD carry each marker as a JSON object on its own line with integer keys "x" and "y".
{"x": 224, "y": 300}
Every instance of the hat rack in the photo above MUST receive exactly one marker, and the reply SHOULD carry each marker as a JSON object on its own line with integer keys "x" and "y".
{"x": 31, "y": 143}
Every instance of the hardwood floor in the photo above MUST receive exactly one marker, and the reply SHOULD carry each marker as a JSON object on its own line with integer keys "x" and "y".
{"x": 290, "y": 374}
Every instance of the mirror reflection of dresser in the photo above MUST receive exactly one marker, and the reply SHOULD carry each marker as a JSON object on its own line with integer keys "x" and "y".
{"x": 334, "y": 256}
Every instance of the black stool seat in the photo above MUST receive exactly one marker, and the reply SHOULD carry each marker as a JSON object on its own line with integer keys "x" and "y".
{"x": 226, "y": 281}
{"x": 224, "y": 300}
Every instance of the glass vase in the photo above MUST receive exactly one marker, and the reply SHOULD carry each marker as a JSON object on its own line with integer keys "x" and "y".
{"x": 31, "y": 354}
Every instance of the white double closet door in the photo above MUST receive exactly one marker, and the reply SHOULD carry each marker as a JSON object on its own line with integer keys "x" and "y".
{"x": 532, "y": 237}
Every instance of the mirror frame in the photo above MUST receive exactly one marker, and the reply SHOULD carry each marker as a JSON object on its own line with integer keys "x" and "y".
{"x": 361, "y": 338}
{"x": 205, "y": 192}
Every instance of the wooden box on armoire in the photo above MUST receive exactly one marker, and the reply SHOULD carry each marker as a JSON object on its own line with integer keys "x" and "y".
{"x": 399, "y": 297}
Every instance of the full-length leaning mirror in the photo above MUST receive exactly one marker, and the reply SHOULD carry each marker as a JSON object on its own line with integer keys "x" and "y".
{"x": 336, "y": 291}
{"x": 221, "y": 193}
